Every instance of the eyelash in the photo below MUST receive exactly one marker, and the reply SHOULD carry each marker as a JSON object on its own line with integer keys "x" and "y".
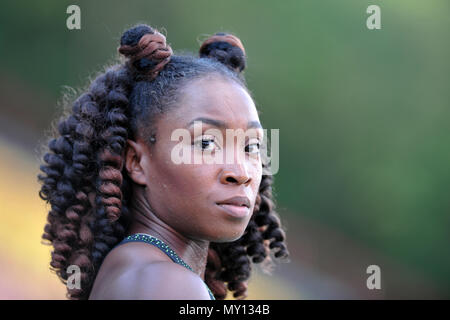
{"x": 198, "y": 141}
{"x": 251, "y": 144}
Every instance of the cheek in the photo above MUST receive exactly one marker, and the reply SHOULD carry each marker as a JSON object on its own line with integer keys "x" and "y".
{"x": 256, "y": 174}
{"x": 191, "y": 180}
{"x": 182, "y": 199}
{"x": 183, "y": 184}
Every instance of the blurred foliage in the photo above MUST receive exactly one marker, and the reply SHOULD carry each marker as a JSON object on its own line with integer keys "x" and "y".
{"x": 363, "y": 115}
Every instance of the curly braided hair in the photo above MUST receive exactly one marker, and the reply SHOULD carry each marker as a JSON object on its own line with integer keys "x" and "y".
{"x": 83, "y": 176}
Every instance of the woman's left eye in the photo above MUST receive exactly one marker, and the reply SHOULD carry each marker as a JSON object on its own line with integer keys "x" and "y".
{"x": 252, "y": 147}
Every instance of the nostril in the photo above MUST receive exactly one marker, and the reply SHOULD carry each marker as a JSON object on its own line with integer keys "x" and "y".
{"x": 229, "y": 177}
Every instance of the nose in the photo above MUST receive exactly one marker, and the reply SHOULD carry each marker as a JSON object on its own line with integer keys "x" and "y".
{"x": 235, "y": 172}
{"x": 237, "y": 175}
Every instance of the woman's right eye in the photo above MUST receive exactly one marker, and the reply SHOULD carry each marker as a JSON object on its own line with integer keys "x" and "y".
{"x": 205, "y": 144}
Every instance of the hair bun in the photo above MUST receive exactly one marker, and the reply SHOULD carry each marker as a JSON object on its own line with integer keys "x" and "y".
{"x": 146, "y": 49}
{"x": 226, "y": 48}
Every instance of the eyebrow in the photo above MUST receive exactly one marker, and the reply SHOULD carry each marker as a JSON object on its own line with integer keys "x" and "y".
{"x": 221, "y": 124}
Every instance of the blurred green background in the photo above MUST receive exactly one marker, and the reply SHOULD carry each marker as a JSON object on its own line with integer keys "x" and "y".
{"x": 363, "y": 116}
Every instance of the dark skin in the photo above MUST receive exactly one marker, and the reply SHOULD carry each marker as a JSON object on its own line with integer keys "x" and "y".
{"x": 177, "y": 203}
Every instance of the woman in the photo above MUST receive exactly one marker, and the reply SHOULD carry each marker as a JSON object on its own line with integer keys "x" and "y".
{"x": 123, "y": 211}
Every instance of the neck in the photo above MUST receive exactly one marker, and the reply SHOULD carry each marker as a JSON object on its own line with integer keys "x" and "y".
{"x": 144, "y": 220}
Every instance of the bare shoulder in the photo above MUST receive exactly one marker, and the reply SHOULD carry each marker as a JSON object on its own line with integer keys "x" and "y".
{"x": 166, "y": 280}
{"x": 126, "y": 275}
{"x": 119, "y": 267}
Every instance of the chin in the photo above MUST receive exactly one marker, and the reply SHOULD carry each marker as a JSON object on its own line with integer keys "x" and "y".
{"x": 228, "y": 237}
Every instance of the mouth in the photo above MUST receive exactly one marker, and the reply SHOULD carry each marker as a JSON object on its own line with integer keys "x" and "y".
{"x": 238, "y": 207}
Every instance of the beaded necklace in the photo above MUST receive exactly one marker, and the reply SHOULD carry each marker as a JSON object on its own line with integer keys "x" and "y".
{"x": 143, "y": 237}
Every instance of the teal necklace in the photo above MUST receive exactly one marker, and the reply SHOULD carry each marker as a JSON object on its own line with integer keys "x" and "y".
{"x": 143, "y": 237}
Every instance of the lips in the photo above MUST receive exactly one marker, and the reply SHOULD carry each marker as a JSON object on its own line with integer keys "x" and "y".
{"x": 238, "y": 207}
{"x": 237, "y": 201}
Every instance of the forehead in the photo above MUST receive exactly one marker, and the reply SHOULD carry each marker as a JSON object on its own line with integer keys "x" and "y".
{"x": 217, "y": 98}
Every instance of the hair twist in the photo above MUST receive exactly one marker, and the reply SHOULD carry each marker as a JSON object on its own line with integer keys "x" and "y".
{"x": 150, "y": 54}
{"x": 226, "y": 48}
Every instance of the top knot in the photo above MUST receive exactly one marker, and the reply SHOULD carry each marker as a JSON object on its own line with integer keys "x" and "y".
{"x": 226, "y": 48}
{"x": 146, "y": 49}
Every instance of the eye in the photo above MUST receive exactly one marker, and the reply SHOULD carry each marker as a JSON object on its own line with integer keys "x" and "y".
{"x": 206, "y": 143}
{"x": 252, "y": 147}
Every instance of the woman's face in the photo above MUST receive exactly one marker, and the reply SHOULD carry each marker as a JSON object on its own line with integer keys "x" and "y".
{"x": 193, "y": 197}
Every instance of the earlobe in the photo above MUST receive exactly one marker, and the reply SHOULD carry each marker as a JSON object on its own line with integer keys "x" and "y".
{"x": 133, "y": 162}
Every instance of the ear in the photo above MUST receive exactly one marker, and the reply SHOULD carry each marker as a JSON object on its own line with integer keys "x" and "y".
{"x": 134, "y": 162}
